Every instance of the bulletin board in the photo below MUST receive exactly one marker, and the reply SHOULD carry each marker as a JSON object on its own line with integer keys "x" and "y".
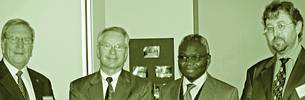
{"x": 152, "y": 58}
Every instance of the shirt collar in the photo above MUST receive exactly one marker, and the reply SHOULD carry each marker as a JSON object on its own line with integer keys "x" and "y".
{"x": 198, "y": 82}
{"x": 115, "y": 76}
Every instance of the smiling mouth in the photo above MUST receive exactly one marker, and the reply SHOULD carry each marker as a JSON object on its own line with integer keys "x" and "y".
{"x": 189, "y": 70}
{"x": 19, "y": 53}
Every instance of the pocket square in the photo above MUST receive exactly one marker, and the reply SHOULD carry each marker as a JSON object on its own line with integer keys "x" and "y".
{"x": 47, "y": 98}
{"x": 301, "y": 91}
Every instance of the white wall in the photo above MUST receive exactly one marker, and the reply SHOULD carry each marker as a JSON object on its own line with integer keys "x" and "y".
{"x": 98, "y": 24}
{"x": 57, "y": 48}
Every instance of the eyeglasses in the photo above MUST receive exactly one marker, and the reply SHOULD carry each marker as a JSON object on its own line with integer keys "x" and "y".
{"x": 193, "y": 57}
{"x": 118, "y": 47}
{"x": 280, "y": 27}
{"x": 15, "y": 40}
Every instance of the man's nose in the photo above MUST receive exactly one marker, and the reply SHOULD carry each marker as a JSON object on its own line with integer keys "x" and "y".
{"x": 112, "y": 50}
{"x": 20, "y": 43}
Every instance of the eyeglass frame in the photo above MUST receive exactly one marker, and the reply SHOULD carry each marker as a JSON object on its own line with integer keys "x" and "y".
{"x": 193, "y": 57}
{"x": 15, "y": 40}
{"x": 108, "y": 46}
{"x": 280, "y": 27}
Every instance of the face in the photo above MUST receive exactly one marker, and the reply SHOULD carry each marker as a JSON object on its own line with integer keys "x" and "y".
{"x": 18, "y": 45}
{"x": 112, "y": 50}
{"x": 193, "y": 60}
{"x": 281, "y": 33}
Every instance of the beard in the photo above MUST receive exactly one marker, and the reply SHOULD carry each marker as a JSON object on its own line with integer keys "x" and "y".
{"x": 279, "y": 44}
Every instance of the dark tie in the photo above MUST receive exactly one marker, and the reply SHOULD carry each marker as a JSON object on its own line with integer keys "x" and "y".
{"x": 22, "y": 86}
{"x": 188, "y": 95}
{"x": 279, "y": 82}
{"x": 110, "y": 91}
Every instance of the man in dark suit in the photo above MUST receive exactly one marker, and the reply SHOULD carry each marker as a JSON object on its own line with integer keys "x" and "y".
{"x": 196, "y": 84}
{"x": 17, "y": 81}
{"x": 277, "y": 77}
{"x": 111, "y": 82}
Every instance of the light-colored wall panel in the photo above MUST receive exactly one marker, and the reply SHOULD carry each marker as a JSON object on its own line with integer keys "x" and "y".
{"x": 57, "y": 48}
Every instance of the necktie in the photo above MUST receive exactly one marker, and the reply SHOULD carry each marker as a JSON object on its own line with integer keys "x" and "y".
{"x": 187, "y": 95}
{"x": 110, "y": 91}
{"x": 279, "y": 82}
{"x": 22, "y": 86}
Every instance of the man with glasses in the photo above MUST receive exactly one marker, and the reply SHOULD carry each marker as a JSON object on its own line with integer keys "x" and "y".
{"x": 196, "y": 84}
{"x": 279, "y": 76}
{"x": 17, "y": 80}
{"x": 111, "y": 82}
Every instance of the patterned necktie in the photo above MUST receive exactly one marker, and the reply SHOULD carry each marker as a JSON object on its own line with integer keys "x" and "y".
{"x": 22, "y": 86}
{"x": 188, "y": 95}
{"x": 279, "y": 82}
{"x": 110, "y": 91}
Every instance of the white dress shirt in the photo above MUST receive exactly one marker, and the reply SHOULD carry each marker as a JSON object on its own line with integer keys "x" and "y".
{"x": 114, "y": 77}
{"x": 25, "y": 78}
{"x": 198, "y": 82}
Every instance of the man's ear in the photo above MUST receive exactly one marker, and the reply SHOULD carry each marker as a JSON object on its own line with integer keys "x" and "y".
{"x": 209, "y": 60}
{"x": 2, "y": 45}
{"x": 298, "y": 27}
{"x": 98, "y": 52}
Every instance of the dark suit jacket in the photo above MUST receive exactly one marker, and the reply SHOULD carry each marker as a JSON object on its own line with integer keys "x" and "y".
{"x": 212, "y": 89}
{"x": 9, "y": 89}
{"x": 129, "y": 87}
{"x": 258, "y": 85}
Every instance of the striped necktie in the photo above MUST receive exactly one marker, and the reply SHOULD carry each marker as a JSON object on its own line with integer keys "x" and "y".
{"x": 22, "y": 86}
{"x": 110, "y": 91}
{"x": 188, "y": 95}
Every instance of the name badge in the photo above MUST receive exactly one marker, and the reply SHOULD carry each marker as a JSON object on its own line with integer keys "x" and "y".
{"x": 301, "y": 91}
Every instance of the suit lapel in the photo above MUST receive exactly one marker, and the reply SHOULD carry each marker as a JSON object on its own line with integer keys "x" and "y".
{"x": 266, "y": 77}
{"x": 123, "y": 87}
{"x": 96, "y": 88}
{"x": 36, "y": 85}
{"x": 9, "y": 83}
{"x": 207, "y": 88}
{"x": 297, "y": 76}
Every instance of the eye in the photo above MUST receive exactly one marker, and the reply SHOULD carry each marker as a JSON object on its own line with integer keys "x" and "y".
{"x": 182, "y": 57}
{"x": 106, "y": 45}
{"x": 280, "y": 26}
{"x": 269, "y": 29}
{"x": 27, "y": 40}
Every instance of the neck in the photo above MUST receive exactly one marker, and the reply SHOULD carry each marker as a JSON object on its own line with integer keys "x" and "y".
{"x": 110, "y": 72}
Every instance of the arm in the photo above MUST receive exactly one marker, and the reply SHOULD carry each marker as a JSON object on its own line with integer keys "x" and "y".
{"x": 234, "y": 95}
{"x": 247, "y": 92}
{"x": 74, "y": 93}
{"x": 147, "y": 93}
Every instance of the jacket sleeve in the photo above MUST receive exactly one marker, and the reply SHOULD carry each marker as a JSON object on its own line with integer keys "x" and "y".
{"x": 248, "y": 89}
{"x": 234, "y": 95}
{"x": 74, "y": 93}
{"x": 148, "y": 92}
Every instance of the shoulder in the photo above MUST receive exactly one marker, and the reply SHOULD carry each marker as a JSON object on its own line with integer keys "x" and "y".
{"x": 220, "y": 84}
{"x": 260, "y": 65}
{"x": 85, "y": 80}
{"x": 135, "y": 79}
{"x": 175, "y": 84}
